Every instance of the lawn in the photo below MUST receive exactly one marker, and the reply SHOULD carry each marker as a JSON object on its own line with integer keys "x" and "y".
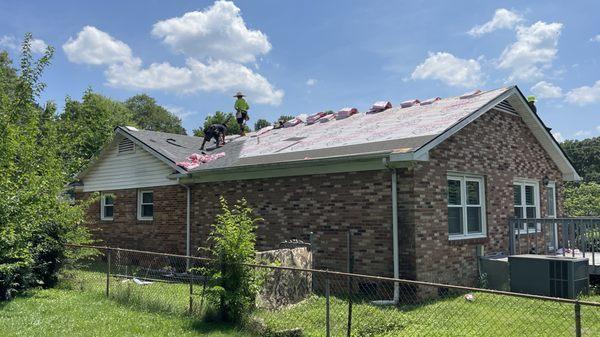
{"x": 79, "y": 308}
{"x": 64, "y": 312}
{"x": 486, "y": 315}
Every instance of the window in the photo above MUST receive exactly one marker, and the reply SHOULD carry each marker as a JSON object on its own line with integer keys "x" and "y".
{"x": 107, "y": 206}
{"x": 551, "y": 199}
{"x": 145, "y": 205}
{"x": 526, "y": 203}
{"x": 466, "y": 207}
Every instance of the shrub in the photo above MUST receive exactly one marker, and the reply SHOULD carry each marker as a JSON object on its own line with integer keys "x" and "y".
{"x": 232, "y": 286}
{"x": 36, "y": 220}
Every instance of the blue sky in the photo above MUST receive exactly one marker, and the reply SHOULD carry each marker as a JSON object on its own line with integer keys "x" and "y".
{"x": 295, "y": 57}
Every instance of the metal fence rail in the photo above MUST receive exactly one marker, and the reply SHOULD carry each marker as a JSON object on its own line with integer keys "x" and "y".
{"x": 307, "y": 302}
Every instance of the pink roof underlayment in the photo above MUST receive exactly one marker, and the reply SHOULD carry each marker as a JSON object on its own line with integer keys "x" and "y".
{"x": 391, "y": 124}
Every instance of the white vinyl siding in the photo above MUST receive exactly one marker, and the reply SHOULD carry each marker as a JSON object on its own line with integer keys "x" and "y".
{"x": 132, "y": 169}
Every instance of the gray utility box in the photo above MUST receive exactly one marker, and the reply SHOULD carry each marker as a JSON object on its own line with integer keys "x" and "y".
{"x": 555, "y": 276}
{"x": 495, "y": 269}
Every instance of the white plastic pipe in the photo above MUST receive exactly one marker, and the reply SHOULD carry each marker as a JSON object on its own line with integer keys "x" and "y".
{"x": 187, "y": 221}
{"x": 395, "y": 234}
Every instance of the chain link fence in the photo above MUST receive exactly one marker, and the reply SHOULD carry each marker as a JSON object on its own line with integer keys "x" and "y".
{"x": 306, "y": 302}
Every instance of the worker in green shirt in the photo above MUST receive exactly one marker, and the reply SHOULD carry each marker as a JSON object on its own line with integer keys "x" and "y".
{"x": 241, "y": 108}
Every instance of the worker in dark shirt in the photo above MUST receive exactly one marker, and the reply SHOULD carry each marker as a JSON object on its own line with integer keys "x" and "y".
{"x": 216, "y": 131}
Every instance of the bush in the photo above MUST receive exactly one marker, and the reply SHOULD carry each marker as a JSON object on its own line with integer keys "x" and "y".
{"x": 232, "y": 285}
{"x": 583, "y": 199}
{"x": 36, "y": 219}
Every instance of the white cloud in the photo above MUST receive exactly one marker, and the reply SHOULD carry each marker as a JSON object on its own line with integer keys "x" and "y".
{"x": 93, "y": 46}
{"x": 311, "y": 81}
{"x": 226, "y": 76}
{"x": 38, "y": 46}
{"x": 9, "y": 42}
{"x": 534, "y": 50}
{"x": 582, "y": 134}
{"x": 179, "y": 111}
{"x": 598, "y": 128}
{"x": 449, "y": 69}
{"x": 584, "y": 95}
{"x": 595, "y": 38}
{"x": 218, "y": 32}
{"x": 559, "y": 138}
{"x": 544, "y": 89}
{"x": 503, "y": 19}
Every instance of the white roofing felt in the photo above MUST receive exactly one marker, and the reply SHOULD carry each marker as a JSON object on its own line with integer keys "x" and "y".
{"x": 392, "y": 124}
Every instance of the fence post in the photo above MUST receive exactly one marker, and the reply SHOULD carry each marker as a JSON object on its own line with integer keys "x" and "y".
{"x": 327, "y": 327}
{"x": 190, "y": 275}
{"x": 577, "y": 319}
{"x": 108, "y": 272}
{"x": 350, "y": 270}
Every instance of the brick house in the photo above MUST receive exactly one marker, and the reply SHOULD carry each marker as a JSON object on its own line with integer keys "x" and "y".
{"x": 423, "y": 185}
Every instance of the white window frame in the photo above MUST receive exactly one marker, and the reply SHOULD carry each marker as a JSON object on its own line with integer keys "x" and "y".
{"x": 463, "y": 178}
{"x": 103, "y": 196}
{"x": 536, "y": 199}
{"x": 140, "y": 203}
{"x": 551, "y": 185}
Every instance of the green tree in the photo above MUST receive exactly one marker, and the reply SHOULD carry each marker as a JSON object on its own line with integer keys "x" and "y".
{"x": 585, "y": 155}
{"x": 150, "y": 116}
{"x": 87, "y": 125}
{"x": 220, "y": 117}
{"x": 233, "y": 284}
{"x": 583, "y": 199}
{"x": 261, "y": 123}
{"x": 36, "y": 219}
{"x": 285, "y": 118}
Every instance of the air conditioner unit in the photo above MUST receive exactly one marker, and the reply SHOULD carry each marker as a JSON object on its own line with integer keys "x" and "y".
{"x": 555, "y": 276}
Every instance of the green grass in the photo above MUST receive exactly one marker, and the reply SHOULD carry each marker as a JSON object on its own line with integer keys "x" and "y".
{"x": 63, "y": 312}
{"x": 487, "y": 315}
{"x": 79, "y": 308}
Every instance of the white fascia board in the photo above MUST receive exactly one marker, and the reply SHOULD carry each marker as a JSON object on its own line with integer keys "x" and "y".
{"x": 155, "y": 153}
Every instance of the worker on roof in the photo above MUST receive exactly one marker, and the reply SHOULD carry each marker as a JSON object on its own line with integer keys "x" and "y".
{"x": 241, "y": 108}
{"x": 531, "y": 101}
{"x": 216, "y": 131}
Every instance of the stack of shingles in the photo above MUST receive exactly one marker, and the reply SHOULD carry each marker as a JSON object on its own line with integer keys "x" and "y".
{"x": 380, "y": 106}
{"x": 346, "y": 112}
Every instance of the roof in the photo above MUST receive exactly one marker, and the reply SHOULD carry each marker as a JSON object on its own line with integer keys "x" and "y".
{"x": 397, "y": 133}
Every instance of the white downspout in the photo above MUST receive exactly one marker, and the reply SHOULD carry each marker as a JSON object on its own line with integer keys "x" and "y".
{"x": 395, "y": 234}
{"x": 187, "y": 221}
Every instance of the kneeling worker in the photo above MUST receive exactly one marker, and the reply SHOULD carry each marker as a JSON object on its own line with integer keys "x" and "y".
{"x": 241, "y": 108}
{"x": 216, "y": 131}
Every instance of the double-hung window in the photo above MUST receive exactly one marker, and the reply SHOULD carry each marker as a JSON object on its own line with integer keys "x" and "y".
{"x": 145, "y": 205}
{"x": 107, "y": 206}
{"x": 526, "y": 203}
{"x": 466, "y": 207}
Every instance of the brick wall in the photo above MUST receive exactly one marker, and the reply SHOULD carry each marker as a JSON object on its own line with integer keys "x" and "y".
{"x": 165, "y": 233}
{"x": 292, "y": 207}
{"x": 327, "y": 205}
{"x": 498, "y": 146}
